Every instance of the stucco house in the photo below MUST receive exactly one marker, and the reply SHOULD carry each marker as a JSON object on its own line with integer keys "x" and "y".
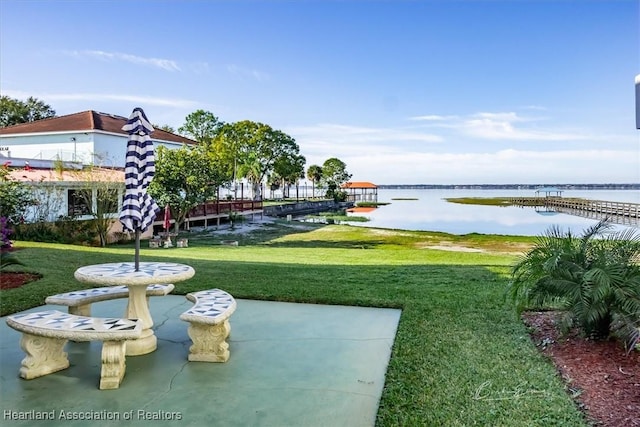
{"x": 88, "y": 137}
{"x": 34, "y": 151}
{"x": 56, "y": 191}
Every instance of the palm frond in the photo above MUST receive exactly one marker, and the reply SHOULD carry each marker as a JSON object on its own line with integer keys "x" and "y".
{"x": 595, "y": 276}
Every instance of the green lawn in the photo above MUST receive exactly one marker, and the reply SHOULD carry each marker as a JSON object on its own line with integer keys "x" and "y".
{"x": 461, "y": 356}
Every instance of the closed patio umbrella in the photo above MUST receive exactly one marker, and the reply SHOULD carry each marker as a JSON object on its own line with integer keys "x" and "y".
{"x": 138, "y": 208}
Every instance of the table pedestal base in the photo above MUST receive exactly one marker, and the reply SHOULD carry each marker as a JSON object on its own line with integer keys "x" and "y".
{"x": 143, "y": 345}
{"x": 136, "y": 277}
{"x": 138, "y": 308}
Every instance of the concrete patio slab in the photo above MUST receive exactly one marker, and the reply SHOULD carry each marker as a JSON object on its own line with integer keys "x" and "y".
{"x": 290, "y": 365}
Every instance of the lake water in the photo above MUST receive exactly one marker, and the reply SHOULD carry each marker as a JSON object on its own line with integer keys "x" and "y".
{"x": 430, "y": 212}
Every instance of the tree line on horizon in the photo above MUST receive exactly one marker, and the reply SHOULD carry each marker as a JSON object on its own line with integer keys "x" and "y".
{"x": 605, "y": 186}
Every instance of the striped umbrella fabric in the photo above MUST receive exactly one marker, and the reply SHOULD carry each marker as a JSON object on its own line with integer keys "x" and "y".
{"x": 138, "y": 208}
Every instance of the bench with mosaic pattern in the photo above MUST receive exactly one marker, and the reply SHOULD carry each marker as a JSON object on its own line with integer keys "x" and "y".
{"x": 209, "y": 325}
{"x": 45, "y": 333}
{"x": 79, "y": 302}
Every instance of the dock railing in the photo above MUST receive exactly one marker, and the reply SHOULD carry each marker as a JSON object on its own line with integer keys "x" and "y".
{"x": 598, "y": 209}
{"x": 217, "y": 210}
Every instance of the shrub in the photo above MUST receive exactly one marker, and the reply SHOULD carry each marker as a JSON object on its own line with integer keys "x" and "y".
{"x": 15, "y": 197}
{"x": 63, "y": 230}
{"x": 7, "y": 259}
{"x": 594, "y": 277}
{"x": 5, "y": 232}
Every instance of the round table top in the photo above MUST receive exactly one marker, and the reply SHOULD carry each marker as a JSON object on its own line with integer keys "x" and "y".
{"x": 124, "y": 273}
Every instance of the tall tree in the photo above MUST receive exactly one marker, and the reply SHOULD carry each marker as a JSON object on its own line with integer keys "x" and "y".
{"x": 251, "y": 169}
{"x": 227, "y": 147}
{"x": 255, "y": 147}
{"x": 274, "y": 182}
{"x": 334, "y": 174}
{"x": 314, "y": 174}
{"x": 201, "y": 125}
{"x": 166, "y": 128}
{"x": 185, "y": 178}
{"x": 14, "y": 111}
{"x": 291, "y": 170}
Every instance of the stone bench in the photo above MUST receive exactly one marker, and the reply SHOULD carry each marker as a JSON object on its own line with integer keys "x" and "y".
{"x": 45, "y": 333}
{"x": 79, "y": 302}
{"x": 209, "y": 325}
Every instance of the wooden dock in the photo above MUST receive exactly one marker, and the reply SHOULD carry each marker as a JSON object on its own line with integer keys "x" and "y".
{"x": 210, "y": 213}
{"x": 618, "y": 212}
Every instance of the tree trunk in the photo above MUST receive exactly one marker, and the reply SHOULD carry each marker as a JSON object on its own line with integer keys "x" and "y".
{"x": 602, "y": 329}
{"x": 256, "y": 191}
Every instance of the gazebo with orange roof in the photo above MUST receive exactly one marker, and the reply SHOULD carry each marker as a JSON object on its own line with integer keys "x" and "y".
{"x": 358, "y": 191}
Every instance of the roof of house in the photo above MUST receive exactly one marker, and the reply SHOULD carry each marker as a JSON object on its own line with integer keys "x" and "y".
{"x": 87, "y": 121}
{"x": 548, "y": 190}
{"x": 32, "y": 175}
{"x": 359, "y": 184}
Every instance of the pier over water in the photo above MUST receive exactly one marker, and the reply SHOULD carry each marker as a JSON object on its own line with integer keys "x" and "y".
{"x": 624, "y": 213}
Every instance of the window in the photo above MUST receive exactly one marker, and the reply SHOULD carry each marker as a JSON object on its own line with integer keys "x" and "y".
{"x": 78, "y": 205}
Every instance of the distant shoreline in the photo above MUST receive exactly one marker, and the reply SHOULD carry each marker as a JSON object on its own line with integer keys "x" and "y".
{"x": 509, "y": 186}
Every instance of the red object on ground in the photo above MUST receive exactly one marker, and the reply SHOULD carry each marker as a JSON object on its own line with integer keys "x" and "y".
{"x": 167, "y": 218}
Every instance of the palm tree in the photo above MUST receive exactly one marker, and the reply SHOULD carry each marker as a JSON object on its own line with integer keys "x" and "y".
{"x": 595, "y": 278}
{"x": 314, "y": 174}
{"x": 251, "y": 169}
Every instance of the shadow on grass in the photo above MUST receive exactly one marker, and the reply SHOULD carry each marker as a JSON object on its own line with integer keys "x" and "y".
{"x": 455, "y": 333}
{"x": 364, "y": 285}
{"x": 264, "y": 233}
{"x": 342, "y": 244}
{"x": 274, "y": 235}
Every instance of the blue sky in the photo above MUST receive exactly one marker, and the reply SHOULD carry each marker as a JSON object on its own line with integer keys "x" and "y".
{"x": 422, "y": 92}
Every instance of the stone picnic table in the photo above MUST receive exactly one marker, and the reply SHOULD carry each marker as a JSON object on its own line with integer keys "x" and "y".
{"x": 125, "y": 273}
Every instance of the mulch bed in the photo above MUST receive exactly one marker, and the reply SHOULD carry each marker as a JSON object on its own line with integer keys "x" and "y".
{"x": 603, "y": 379}
{"x": 15, "y": 279}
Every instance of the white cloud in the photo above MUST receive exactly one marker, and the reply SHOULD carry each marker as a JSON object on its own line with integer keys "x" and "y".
{"x": 164, "y": 64}
{"x": 433, "y": 118}
{"x": 247, "y": 72}
{"x": 360, "y": 135}
{"x": 500, "y": 126}
{"x": 323, "y": 141}
{"x": 503, "y": 127}
{"x": 534, "y": 107}
{"x": 200, "y": 67}
{"x": 508, "y": 117}
{"x": 500, "y": 167}
{"x": 102, "y": 97}
{"x": 388, "y": 155}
